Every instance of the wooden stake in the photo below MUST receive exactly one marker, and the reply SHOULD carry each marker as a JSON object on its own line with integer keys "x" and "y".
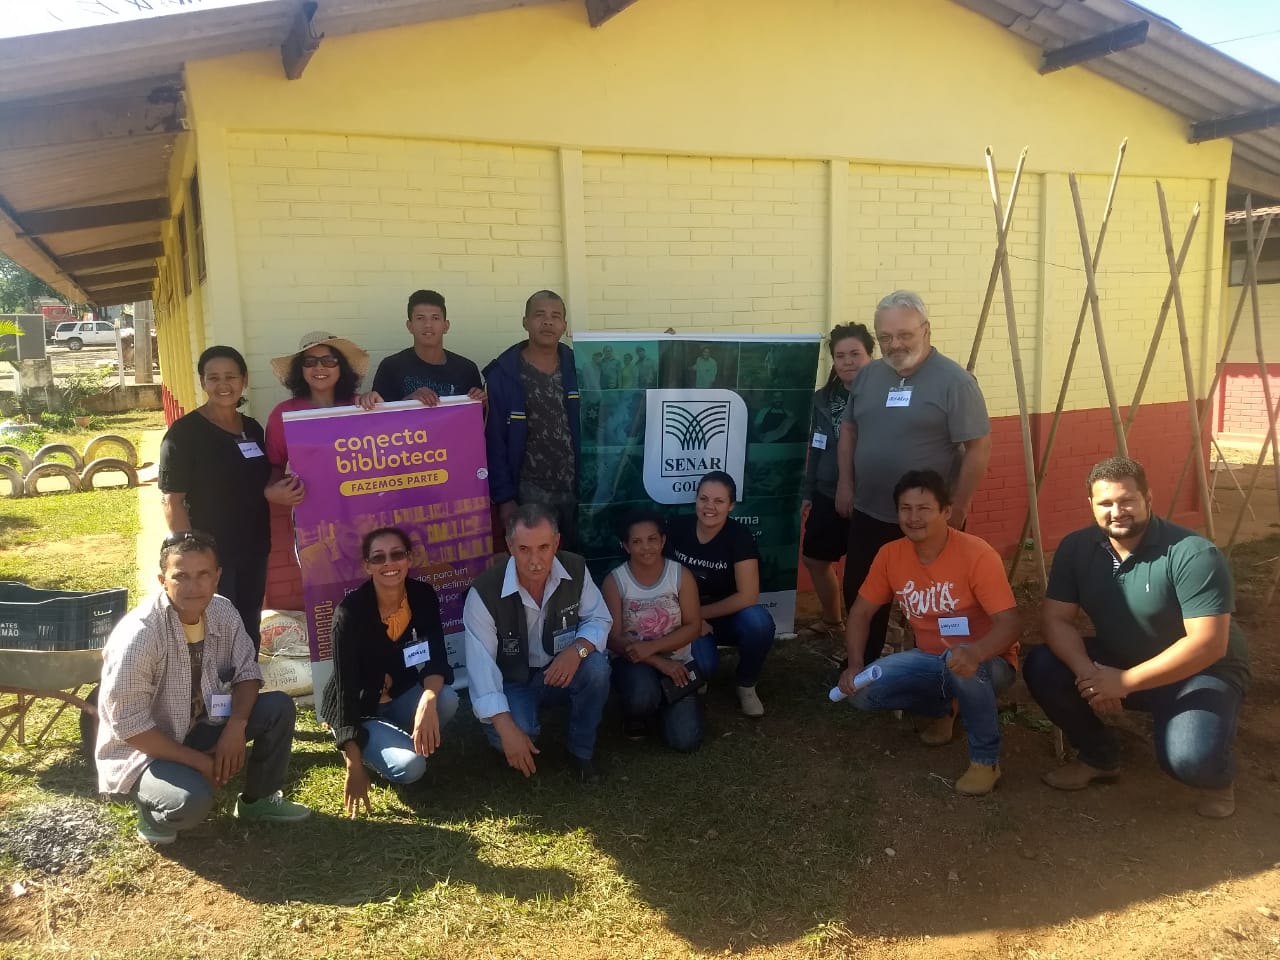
{"x": 1251, "y": 265}
{"x": 1091, "y": 291}
{"x": 1001, "y": 242}
{"x": 1052, "y": 435}
{"x": 1019, "y": 381}
{"x": 1193, "y": 409}
{"x": 1158, "y": 335}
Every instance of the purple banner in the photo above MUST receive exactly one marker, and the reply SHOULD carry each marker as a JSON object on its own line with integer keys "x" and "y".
{"x": 422, "y": 469}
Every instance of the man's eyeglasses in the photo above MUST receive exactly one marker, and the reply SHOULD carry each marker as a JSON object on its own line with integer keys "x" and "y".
{"x": 391, "y": 556}
{"x": 328, "y": 362}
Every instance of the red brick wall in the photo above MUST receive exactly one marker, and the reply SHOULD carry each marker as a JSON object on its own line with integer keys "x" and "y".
{"x": 284, "y": 579}
{"x": 1242, "y": 407}
{"x": 1160, "y": 441}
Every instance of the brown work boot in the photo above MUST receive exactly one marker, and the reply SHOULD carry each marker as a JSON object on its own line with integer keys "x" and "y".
{"x": 978, "y": 780}
{"x": 1077, "y": 775}
{"x": 1217, "y": 804}
{"x": 938, "y": 732}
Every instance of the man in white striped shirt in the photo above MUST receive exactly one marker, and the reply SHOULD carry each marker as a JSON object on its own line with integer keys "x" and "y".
{"x": 179, "y": 701}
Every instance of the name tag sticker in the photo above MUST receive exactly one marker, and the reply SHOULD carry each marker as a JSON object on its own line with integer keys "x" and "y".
{"x": 417, "y": 653}
{"x": 562, "y": 638}
{"x": 219, "y": 706}
{"x": 953, "y": 626}
{"x": 820, "y": 441}
{"x": 901, "y": 397}
{"x": 250, "y": 449}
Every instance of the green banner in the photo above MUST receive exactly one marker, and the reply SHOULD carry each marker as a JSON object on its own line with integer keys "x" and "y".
{"x": 659, "y": 412}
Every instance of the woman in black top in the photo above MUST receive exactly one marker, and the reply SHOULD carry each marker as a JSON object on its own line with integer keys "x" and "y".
{"x": 214, "y": 477}
{"x": 389, "y": 697}
{"x": 723, "y": 557}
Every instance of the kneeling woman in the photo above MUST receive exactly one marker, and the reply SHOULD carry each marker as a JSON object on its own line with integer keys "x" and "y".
{"x": 722, "y": 556}
{"x": 656, "y": 616}
{"x": 389, "y": 697}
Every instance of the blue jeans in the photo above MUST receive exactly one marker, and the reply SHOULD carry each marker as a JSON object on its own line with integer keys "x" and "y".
{"x": 1194, "y": 720}
{"x": 586, "y": 696}
{"x": 921, "y": 683}
{"x": 751, "y": 630}
{"x": 390, "y": 748}
{"x": 639, "y": 688}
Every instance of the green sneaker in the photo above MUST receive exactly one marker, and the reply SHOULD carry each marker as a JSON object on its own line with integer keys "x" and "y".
{"x": 154, "y": 833}
{"x": 274, "y": 809}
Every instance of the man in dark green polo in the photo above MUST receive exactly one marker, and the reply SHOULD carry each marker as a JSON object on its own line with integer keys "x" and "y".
{"x": 1161, "y": 599}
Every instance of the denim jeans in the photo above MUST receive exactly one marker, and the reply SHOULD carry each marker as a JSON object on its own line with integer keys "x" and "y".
{"x": 586, "y": 696}
{"x": 751, "y": 630}
{"x": 176, "y": 796}
{"x": 639, "y": 688}
{"x": 390, "y": 749}
{"x": 1194, "y": 720}
{"x": 921, "y": 683}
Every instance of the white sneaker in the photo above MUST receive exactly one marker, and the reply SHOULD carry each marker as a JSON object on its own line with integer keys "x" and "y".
{"x": 750, "y": 702}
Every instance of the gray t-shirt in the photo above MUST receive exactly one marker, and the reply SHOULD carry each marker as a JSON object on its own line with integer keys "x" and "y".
{"x": 910, "y": 423}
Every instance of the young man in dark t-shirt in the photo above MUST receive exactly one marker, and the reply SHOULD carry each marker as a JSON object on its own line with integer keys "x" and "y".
{"x": 427, "y": 371}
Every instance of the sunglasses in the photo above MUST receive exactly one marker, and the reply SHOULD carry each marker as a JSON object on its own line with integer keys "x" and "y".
{"x": 328, "y": 362}
{"x": 391, "y": 556}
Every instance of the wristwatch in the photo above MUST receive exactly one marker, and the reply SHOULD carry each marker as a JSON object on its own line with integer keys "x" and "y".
{"x": 583, "y": 650}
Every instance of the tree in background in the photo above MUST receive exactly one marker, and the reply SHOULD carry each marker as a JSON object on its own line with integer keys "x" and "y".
{"x": 19, "y": 288}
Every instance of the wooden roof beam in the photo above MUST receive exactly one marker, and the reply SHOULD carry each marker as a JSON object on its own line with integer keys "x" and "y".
{"x": 159, "y": 113}
{"x": 114, "y": 295}
{"x": 41, "y": 222}
{"x": 118, "y": 278}
{"x": 1235, "y": 125}
{"x": 115, "y": 257}
{"x": 598, "y": 11}
{"x": 301, "y": 43}
{"x": 1113, "y": 41}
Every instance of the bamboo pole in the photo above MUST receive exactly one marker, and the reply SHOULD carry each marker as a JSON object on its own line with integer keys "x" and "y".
{"x": 1158, "y": 335}
{"x": 1001, "y": 246}
{"x": 1248, "y": 494}
{"x": 1193, "y": 409}
{"x": 1019, "y": 380}
{"x": 1235, "y": 482}
{"x": 1251, "y": 265}
{"x": 1052, "y": 435}
{"x": 1091, "y": 291}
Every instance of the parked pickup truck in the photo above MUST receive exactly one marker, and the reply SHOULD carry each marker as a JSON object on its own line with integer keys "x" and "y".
{"x": 93, "y": 333}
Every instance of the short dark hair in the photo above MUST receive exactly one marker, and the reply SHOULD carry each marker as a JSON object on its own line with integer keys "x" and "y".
{"x": 348, "y": 380}
{"x": 543, "y": 295}
{"x": 843, "y": 331}
{"x": 529, "y": 515}
{"x": 428, "y": 298}
{"x": 637, "y": 517}
{"x": 188, "y": 541}
{"x": 719, "y": 476}
{"x": 223, "y": 352}
{"x": 929, "y": 480}
{"x": 367, "y": 540}
{"x": 1115, "y": 469}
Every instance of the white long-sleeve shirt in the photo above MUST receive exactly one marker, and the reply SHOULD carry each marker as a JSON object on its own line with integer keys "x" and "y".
{"x": 480, "y": 634}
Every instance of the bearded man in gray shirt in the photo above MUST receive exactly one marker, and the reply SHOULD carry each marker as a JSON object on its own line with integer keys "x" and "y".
{"x": 912, "y": 409}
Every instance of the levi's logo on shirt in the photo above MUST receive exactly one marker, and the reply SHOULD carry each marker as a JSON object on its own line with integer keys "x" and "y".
{"x": 935, "y": 599}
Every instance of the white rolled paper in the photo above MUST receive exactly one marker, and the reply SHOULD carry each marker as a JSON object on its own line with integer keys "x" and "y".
{"x": 869, "y": 675}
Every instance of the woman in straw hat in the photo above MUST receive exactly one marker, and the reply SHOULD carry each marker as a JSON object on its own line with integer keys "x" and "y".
{"x": 325, "y": 372}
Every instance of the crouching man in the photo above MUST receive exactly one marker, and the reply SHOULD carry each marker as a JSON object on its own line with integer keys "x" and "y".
{"x": 535, "y": 631}
{"x": 952, "y": 588}
{"x": 1161, "y": 599}
{"x": 179, "y": 700}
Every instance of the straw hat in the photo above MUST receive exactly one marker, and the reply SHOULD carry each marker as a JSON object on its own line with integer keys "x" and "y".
{"x": 359, "y": 359}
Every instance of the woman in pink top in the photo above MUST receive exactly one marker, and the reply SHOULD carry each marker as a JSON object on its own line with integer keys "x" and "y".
{"x": 325, "y": 372}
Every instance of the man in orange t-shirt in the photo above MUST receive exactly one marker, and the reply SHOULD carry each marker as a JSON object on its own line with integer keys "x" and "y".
{"x": 952, "y": 589}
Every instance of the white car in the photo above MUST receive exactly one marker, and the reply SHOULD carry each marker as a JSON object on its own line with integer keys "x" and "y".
{"x": 93, "y": 333}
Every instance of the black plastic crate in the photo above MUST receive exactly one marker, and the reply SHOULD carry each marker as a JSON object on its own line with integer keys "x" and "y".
{"x": 52, "y": 620}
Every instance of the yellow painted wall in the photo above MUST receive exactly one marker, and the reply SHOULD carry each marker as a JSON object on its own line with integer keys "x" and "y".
{"x": 178, "y": 317}
{"x": 704, "y": 164}
{"x": 1243, "y": 349}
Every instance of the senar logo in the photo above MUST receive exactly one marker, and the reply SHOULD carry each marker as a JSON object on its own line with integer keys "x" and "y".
{"x": 687, "y": 434}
